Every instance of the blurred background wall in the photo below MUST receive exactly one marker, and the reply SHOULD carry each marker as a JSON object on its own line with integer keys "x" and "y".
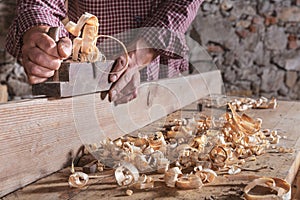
{"x": 255, "y": 44}
{"x": 11, "y": 73}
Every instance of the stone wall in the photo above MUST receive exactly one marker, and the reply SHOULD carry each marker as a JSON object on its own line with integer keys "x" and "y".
{"x": 11, "y": 73}
{"x": 255, "y": 43}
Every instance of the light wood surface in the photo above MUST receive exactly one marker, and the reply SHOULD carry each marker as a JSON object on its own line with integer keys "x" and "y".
{"x": 281, "y": 165}
{"x": 3, "y": 94}
{"x": 40, "y": 136}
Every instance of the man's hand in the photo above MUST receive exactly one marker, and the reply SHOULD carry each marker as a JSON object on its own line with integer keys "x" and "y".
{"x": 41, "y": 56}
{"x": 126, "y": 79}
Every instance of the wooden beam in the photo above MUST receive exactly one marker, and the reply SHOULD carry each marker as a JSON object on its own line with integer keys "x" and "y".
{"x": 39, "y": 136}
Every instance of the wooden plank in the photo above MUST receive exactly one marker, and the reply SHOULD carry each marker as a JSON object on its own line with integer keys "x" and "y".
{"x": 39, "y": 136}
{"x": 285, "y": 119}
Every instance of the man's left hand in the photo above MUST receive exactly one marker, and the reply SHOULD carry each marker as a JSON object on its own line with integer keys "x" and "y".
{"x": 126, "y": 79}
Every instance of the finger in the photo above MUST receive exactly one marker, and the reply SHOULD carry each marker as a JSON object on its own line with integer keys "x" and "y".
{"x": 136, "y": 79}
{"x": 47, "y": 44}
{"x": 130, "y": 91}
{"x": 118, "y": 86}
{"x": 35, "y": 79}
{"x": 64, "y": 47}
{"x": 35, "y": 70}
{"x": 118, "y": 69}
{"x": 126, "y": 98}
{"x": 40, "y": 58}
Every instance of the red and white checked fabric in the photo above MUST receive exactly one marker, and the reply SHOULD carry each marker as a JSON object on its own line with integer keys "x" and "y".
{"x": 162, "y": 23}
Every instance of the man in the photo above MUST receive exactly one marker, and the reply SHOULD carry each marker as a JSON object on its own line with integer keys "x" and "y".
{"x": 160, "y": 41}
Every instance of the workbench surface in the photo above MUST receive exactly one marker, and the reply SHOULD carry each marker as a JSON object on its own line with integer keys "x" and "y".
{"x": 285, "y": 118}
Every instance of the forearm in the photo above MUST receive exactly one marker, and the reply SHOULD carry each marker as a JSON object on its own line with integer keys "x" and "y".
{"x": 31, "y": 14}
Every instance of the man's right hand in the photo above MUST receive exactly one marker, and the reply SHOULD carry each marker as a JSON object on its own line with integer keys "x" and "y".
{"x": 41, "y": 55}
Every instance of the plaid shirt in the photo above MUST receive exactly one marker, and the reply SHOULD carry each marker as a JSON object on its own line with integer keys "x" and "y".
{"x": 162, "y": 23}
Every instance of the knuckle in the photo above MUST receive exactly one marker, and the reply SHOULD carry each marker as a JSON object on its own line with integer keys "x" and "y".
{"x": 38, "y": 58}
{"x": 43, "y": 60}
{"x": 64, "y": 49}
{"x": 32, "y": 80}
{"x": 47, "y": 41}
{"x": 55, "y": 64}
{"x": 134, "y": 95}
{"x": 50, "y": 73}
{"x": 34, "y": 70}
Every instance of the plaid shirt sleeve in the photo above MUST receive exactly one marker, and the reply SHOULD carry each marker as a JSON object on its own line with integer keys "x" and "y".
{"x": 32, "y": 13}
{"x": 163, "y": 24}
{"x": 167, "y": 25}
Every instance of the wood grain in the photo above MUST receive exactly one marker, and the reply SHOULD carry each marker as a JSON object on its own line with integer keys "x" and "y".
{"x": 285, "y": 119}
{"x": 3, "y": 94}
{"x": 40, "y": 136}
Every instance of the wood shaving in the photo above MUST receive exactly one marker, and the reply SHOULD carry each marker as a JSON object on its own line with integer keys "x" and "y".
{"x": 144, "y": 182}
{"x": 129, "y": 192}
{"x": 201, "y": 146}
{"x": 86, "y": 33}
{"x": 78, "y": 179}
{"x": 189, "y": 181}
{"x": 282, "y": 188}
{"x": 243, "y": 104}
{"x": 126, "y": 174}
{"x": 171, "y": 176}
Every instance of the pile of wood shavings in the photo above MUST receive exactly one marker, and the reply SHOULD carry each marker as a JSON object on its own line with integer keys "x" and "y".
{"x": 240, "y": 104}
{"x": 200, "y": 147}
{"x": 243, "y": 104}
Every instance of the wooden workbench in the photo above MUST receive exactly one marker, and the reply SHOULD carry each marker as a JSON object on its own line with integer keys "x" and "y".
{"x": 285, "y": 118}
{"x": 40, "y": 136}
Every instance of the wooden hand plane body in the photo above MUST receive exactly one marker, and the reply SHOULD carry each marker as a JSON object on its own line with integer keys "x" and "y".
{"x": 76, "y": 78}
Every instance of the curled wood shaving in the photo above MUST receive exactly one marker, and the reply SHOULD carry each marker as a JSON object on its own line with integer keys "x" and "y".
{"x": 206, "y": 175}
{"x": 78, "y": 179}
{"x": 286, "y": 150}
{"x": 126, "y": 174}
{"x": 174, "y": 178}
{"x": 129, "y": 192}
{"x": 157, "y": 140}
{"x": 218, "y": 156}
{"x": 234, "y": 170}
{"x": 171, "y": 176}
{"x": 84, "y": 47}
{"x": 189, "y": 181}
{"x": 282, "y": 188}
{"x": 144, "y": 182}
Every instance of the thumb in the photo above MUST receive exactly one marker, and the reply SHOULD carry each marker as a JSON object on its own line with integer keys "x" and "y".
{"x": 64, "y": 47}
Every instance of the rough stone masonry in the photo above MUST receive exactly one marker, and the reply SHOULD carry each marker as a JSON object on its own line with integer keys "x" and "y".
{"x": 255, "y": 44}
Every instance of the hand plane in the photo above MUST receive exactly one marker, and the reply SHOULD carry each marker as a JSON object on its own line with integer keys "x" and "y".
{"x": 75, "y": 78}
